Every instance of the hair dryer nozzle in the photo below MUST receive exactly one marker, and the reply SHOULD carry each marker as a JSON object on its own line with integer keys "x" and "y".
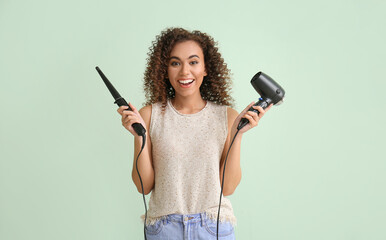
{"x": 267, "y": 87}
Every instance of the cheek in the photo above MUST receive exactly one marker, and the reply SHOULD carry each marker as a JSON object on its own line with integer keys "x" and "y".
{"x": 200, "y": 73}
{"x": 202, "y": 70}
{"x": 171, "y": 72}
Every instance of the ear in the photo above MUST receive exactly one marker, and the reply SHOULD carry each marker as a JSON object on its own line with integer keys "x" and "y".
{"x": 205, "y": 74}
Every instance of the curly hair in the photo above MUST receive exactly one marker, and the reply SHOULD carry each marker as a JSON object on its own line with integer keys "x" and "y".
{"x": 215, "y": 86}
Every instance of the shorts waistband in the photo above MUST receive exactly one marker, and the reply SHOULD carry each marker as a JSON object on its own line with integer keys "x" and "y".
{"x": 188, "y": 218}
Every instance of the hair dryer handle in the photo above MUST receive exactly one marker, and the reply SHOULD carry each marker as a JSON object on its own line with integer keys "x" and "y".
{"x": 138, "y": 128}
{"x": 262, "y": 103}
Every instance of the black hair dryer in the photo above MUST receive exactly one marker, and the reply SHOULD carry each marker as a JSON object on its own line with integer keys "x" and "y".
{"x": 270, "y": 92}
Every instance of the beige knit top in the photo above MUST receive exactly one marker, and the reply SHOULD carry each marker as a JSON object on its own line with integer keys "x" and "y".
{"x": 186, "y": 151}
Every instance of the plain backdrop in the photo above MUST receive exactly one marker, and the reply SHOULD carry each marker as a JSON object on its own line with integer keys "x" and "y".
{"x": 314, "y": 168}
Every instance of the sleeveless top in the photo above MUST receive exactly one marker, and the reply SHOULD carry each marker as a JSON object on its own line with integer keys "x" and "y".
{"x": 186, "y": 151}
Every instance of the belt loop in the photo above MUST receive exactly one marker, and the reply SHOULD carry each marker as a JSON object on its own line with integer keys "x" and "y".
{"x": 202, "y": 219}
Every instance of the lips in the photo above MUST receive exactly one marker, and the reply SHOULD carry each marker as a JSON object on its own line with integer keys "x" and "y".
{"x": 185, "y": 82}
{"x": 188, "y": 81}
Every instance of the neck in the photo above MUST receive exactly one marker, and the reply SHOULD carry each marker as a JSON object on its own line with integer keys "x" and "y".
{"x": 188, "y": 105}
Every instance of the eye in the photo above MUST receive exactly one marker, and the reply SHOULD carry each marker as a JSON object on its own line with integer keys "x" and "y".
{"x": 174, "y": 63}
{"x": 193, "y": 62}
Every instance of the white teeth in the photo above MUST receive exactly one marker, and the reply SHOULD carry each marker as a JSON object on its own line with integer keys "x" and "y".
{"x": 185, "y": 81}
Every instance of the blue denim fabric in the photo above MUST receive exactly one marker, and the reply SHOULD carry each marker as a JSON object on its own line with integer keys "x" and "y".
{"x": 189, "y": 227}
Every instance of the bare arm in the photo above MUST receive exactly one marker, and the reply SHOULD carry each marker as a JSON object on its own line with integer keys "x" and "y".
{"x": 145, "y": 161}
{"x": 233, "y": 169}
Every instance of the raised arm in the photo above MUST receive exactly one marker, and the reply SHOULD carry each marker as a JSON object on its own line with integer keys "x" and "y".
{"x": 145, "y": 161}
{"x": 233, "y": 169}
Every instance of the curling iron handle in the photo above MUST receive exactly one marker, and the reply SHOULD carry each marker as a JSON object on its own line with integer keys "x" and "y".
{"x": 262, "y": 103}
{"x": 138, "y": 128}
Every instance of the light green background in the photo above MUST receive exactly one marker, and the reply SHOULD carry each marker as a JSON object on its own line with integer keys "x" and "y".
{"x": 314, "y": 168}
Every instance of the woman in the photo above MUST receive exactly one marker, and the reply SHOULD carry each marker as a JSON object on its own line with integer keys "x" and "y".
{"x": 189, "y": 125}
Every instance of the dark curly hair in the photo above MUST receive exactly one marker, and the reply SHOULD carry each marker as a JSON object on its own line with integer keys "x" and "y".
{"x": 215, "y": 86}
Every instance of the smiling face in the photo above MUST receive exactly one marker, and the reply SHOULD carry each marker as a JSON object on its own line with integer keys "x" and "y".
{"x": 186, "y": 68}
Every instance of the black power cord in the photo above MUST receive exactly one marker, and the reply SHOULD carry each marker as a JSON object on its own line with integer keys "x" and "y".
{"x": 222, "y": 182}
{"x": 140, "y": 179}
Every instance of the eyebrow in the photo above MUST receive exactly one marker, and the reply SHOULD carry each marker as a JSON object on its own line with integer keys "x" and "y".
{"x": 174, "y": 57}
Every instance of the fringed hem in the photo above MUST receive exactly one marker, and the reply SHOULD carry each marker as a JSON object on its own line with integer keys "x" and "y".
{"x": 212, "y": 216}
{"x": 152, "y": 220}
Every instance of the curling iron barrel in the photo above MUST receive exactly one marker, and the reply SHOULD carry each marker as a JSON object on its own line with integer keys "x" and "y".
{"x": 120, "y": 101}
{"x": 270, "y": 92}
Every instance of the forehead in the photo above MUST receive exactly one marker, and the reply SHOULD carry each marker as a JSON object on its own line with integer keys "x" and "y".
{"x": 186, "y": 49}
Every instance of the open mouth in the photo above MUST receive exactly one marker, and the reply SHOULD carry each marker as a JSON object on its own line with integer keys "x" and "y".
{"x": 186, "y": 83}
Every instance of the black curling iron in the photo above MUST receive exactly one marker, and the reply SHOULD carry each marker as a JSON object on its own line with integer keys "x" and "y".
{"x": 120, "y": 101}
{"x": 138, "y": 128}
{"x": 270, "y": 92}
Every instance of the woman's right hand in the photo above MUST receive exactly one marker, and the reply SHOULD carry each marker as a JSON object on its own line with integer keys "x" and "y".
{"x": 130, "y": 117}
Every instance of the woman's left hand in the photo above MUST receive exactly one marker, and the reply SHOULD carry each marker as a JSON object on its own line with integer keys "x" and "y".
{"x": 253, "y": 117}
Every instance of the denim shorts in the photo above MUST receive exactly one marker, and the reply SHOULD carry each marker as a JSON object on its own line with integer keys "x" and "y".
{"x": 189, "y": 227}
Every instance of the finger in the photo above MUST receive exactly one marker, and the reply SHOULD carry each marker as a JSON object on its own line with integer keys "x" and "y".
{"x": 269, "y": 107}
{"x": 260, "y": 109}
{"x": 252, "y": 113}
{"x": 252, "y": 120}
{"x": 133, "y": 108}
{"x": 248, "y": 107}
{"x": 129, "y": 120}
{"x": 121, "y": 109}
{"x": 128, "y": 115}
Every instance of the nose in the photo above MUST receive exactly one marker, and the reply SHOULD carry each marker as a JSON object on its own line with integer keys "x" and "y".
{"x": 185, "y": 69}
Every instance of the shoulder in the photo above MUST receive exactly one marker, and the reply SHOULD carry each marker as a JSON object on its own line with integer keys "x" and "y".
{"x": 145, "y": 110}
{"x": 232, "y": 114}
{"x": 146, "y": 113}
